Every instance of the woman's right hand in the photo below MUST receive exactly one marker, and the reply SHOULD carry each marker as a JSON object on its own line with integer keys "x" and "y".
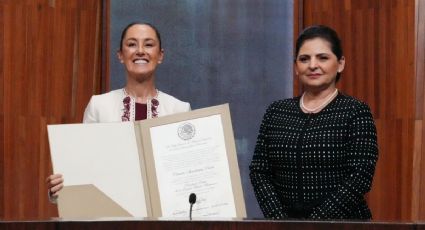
{"x": 54, "y": 185}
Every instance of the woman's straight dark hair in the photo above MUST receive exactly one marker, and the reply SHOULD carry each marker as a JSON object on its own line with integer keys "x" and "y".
{"x": 140, "y": 23}
{"x": 323, "y": 32}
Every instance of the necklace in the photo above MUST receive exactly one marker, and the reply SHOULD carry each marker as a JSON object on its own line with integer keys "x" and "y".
{"x": 321, "y": 106}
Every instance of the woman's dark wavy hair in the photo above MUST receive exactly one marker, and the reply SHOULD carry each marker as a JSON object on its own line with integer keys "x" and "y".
{"x": 124, "y": 32}
{"x": 323, "y": 32}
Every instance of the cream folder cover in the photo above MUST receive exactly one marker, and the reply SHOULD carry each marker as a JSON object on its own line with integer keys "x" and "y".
{"x": 100, "y": 164}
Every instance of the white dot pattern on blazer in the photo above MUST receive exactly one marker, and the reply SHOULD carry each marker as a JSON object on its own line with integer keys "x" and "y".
{"x": 320, "y": 164}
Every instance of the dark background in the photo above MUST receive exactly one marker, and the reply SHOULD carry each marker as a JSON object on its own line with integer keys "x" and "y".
{"x": 218, "y": 51}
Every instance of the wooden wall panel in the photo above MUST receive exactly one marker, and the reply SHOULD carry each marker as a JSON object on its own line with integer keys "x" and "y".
{"x": 106, "y": 45}
{"x": 419, "y": 154}
{"x": 1, "y": 112}
{"x": 50, "y": 53}
{"x": 379, "y": 45}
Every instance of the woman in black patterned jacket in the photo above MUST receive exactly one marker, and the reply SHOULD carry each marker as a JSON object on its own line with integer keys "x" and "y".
{"x": 315, "y": 155}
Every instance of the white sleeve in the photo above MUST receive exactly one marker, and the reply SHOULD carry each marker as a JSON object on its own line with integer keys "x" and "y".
{"x": 90, "y": 112}
{"x": 188, "y": 108}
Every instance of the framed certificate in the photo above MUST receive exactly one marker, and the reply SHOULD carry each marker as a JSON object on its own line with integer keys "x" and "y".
{"x": 149, "y": 168}
{"x": 188, "y": 153}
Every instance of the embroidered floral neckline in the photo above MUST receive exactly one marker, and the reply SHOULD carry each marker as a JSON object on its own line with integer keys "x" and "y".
{"x": 129, "y": 110}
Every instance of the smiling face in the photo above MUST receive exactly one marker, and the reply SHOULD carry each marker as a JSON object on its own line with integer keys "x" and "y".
{"x": 140, "y": 51}
{"x": 317, "y": 66}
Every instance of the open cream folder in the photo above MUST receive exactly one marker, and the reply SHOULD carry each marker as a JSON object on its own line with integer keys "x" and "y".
{"x": 104, "y": 160}
{"x": 149, "y": 168}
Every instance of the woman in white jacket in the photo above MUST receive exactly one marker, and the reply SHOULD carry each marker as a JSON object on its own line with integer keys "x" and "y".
{"x": 140, "y": 52}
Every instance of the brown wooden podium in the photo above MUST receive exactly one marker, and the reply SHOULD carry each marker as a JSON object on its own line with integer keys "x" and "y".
{"x": 205, "y": 224}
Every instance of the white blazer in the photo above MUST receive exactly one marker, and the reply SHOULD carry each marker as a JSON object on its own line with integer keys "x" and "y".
{"x": 109, "y": 107}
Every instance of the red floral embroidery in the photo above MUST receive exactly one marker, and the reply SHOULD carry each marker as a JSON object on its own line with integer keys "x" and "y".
{"x": 154, "y": 107}
{"x": 126, "y": 114}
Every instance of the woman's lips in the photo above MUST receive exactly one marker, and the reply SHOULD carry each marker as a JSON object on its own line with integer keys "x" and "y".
{"x": 315, "y": 75}
{"x": 140, "y": 61}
